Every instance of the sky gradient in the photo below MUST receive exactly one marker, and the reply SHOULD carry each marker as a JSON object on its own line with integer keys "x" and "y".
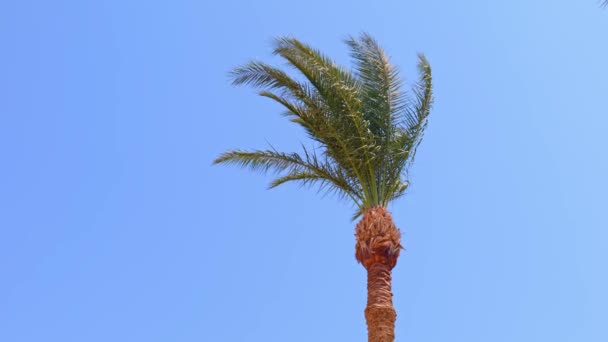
{"x": 114, "y": 226}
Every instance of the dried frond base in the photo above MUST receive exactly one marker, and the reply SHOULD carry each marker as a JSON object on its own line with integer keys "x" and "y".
{"x": 378, "y": 239}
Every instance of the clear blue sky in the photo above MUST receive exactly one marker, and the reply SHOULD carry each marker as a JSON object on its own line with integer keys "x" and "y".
{"x": 114, "y": 226}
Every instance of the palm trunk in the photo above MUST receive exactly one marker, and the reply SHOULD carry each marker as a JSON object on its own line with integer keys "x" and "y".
{"x": 380, "y": 314}
{"x": 378, "y": 246}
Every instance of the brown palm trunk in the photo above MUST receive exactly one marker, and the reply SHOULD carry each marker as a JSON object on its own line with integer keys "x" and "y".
{"x": 378, "y": 246}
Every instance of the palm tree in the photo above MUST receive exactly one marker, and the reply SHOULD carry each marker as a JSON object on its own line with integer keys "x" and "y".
{"x": 365, "y": 131}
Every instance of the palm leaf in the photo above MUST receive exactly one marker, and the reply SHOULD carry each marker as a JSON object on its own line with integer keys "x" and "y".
{"x": 366, "y": 128}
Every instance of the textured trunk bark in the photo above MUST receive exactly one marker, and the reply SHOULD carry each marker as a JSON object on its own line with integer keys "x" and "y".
{"x": 380, "y": 314}
{"x": 378, "y": 246}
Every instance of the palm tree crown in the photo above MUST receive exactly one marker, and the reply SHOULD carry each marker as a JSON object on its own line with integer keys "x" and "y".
{"x": 366, "y": 128}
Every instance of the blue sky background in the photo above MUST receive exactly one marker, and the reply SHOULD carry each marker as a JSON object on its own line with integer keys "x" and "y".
{"x": 114, "y": 226}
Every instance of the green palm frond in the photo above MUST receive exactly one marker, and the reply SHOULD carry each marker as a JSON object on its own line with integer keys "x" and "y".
{"x": 365, "y": 126}
{"x": 308, "y": 169}
{"x": 380, "y": 85}
{"x": 416, "y": 117}
{"x": 338, "y": 89}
